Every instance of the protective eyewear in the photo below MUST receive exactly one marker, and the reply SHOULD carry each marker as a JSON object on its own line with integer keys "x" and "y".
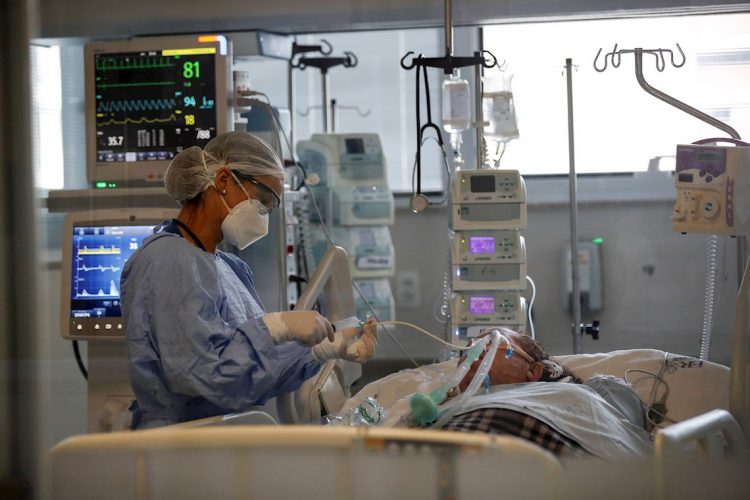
{"x": 265, "y": 195}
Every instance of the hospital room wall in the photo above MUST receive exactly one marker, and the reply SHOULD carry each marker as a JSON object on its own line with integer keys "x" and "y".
{"x": 653, "y": 278}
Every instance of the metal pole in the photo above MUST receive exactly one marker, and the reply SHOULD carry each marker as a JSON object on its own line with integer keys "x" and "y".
{"x": 325, "y": 82}
{"x": 741, "y": 258}
{"x": 576, "y": 297}
{"x": 478, "y": 104}
{"x": 334, "y": 111}
{"x": 448, "y": 27}
{"x": 478, "y": 112}
{"x": 676, "y": 103}
{"x": 739, "y": 382}
{"x": 290, "y": 104}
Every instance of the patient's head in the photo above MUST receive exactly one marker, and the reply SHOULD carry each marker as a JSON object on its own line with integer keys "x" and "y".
{"x": 529, "y": 363}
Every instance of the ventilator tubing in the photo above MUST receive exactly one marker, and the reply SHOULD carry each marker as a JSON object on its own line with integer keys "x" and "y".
{"x": 423, "y": 409}
{"x": 482, "y": 373}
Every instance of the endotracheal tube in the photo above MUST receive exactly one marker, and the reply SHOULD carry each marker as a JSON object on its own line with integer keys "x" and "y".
{"x": 423, "y": 408}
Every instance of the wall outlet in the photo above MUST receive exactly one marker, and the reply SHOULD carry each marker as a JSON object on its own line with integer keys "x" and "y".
{"x": 408, "y": 295}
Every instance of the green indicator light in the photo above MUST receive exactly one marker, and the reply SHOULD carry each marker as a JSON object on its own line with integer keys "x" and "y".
{"x": 597, "y": 241}
{"x": 100, "y": 184}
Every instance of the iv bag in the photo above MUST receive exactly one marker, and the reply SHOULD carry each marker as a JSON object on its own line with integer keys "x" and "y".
{"x": 498, "y": 108}
{"x": 456, "y": 105}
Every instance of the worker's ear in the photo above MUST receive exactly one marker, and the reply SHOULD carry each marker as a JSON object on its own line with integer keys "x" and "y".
{"x": 222, "y": 179}
{"x": 535, "y": 372}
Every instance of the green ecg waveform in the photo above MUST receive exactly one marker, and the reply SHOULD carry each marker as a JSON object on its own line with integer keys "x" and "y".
{"x": 113, "y": 63}
{"x": 133, "y": 84}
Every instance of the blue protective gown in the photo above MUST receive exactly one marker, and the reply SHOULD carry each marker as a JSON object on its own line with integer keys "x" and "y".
{"x": 196, "y": 342}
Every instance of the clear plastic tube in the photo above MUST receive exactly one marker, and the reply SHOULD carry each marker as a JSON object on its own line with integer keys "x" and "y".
{"x": 479, "y": 378}
{"x": 709, "y": 302}
{"x": 423, "y": 408}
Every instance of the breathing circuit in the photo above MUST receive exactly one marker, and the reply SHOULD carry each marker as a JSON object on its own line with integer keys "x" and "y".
{"x": 424, "y": 408}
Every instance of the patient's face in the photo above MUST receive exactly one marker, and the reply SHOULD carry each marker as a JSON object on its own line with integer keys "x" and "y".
{"x": 516, "y": 369}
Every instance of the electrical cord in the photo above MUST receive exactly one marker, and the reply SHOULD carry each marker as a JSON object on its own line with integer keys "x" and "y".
{"x": 79, "y": 360}
{"x": 531, "y": 306}
{"x": 657, "y": 410}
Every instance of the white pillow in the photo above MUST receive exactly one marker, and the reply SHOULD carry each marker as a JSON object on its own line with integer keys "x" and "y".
{"x": 695, "y": 386}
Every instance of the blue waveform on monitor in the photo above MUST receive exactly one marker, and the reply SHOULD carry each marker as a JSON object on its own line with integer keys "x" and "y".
{"x": 136, "y": 105}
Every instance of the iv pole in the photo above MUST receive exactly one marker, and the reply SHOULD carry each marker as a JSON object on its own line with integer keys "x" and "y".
{"x": 573, "y": 185}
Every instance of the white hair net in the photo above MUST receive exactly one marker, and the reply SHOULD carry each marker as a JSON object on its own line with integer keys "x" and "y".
{"x": 193, "y": 170}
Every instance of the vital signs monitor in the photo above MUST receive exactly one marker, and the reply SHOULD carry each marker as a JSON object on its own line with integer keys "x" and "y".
{"x": 96, "y": 246}
{"x": 147, "y": 99}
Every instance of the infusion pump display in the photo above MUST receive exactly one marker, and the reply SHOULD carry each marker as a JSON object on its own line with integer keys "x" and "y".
{"x": 488, "y": 186}
{"x": 98, "y": 255}
{"x": 152, "y": 104}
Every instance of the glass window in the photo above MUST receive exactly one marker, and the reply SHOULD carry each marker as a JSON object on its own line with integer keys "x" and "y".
{"x": 47, "y": 117}
{"x": 376, "y": 96}
{"x": 618, "y": 126}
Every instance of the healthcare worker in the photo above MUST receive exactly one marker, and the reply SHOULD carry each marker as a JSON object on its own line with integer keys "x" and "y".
{"x": 199, "y": 342}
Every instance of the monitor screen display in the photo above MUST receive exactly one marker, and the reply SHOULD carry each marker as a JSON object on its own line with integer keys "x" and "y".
{"x": 355, "y": 146}
{"x": 99, "y": 254}
{"x": 152, "y": 104}
{"x": 481, "y": 305}
{"x": 148, "y": 98}
{"x": 482, "y": 244}
{"x": 482, "y": 183}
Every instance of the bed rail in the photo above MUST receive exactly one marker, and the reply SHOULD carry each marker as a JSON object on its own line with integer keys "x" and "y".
{"x": 702, "y": 445}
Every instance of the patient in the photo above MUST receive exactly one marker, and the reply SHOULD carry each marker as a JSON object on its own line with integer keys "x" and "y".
{"x": 529, "y": 396}
{"x": 547, "y": 414}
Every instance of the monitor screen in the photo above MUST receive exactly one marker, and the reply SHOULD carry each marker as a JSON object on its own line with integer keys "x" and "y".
{"x": 481, "y": 305}
{"x": 99, "y": 253}
{"x": 96, "y": 246}
{"x": 355, "y": 146}
{"x": 482, "y": 244}
{"x": 482, "y": 183}
{"x": 147, "y": 100}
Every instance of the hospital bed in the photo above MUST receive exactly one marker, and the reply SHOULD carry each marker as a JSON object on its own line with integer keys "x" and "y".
{"x": 704, "y": 454}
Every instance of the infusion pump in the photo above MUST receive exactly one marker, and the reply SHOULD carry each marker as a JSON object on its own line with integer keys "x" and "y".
{"x": 713, "y": 186}
{"x": 340, "y": 160}
{"x": 488, "y": 260}
{"x": 476, "y": 311}
{"x": 488, "y": 199}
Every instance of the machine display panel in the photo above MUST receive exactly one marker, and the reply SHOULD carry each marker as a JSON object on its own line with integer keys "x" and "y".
{"x": 152, "y": 104}
{"x": 355, "y": 146}
{"x": 148, "y": 99}
{"x": 482, "y": 244}
{"x": 98, "y": 255}
{"x": 482, "y": 183}
{"x": 481, "y": 305}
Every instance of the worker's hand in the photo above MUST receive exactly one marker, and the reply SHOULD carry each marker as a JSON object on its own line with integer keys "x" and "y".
{"x": 350, "y": 344}
{"x": 306, "y": 327}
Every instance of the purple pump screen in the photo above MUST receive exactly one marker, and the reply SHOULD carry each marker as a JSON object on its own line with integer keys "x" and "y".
{"x": 482, "y": 244}
{"x": 481, "y": 305}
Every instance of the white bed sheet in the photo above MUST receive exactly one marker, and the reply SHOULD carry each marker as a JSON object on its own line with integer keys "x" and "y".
{"x": 695, "y": 386}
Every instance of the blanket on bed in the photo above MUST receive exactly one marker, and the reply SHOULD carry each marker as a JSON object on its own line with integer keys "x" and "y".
{"x": 576, "y": 411}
